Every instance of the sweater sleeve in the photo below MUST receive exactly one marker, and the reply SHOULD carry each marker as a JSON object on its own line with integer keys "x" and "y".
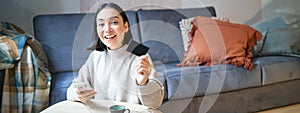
{"x": 151, "y": 94}
{"x": 84, "y": 75}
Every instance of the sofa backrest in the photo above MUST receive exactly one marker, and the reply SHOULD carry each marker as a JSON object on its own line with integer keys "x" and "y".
{"x": 62, "y": 34}
{"x": 64, "y": 38}
{"x": 159, "y": 29}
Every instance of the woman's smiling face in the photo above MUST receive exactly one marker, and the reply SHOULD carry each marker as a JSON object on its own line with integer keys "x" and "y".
{"x": 111, "y": 28}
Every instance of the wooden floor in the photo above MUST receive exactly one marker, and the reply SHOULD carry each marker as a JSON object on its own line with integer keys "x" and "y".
{"x": 287, "y": 109}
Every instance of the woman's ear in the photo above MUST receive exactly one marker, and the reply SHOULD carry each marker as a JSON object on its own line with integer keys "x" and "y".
{"x": 126, "y": 27}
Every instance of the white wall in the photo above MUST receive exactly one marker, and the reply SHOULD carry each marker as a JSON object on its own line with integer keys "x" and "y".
{"x": 21, "y": 12}
{"x": 240, "y": 11}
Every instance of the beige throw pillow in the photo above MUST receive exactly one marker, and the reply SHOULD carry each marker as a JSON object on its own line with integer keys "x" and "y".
{"x": 185, "y": 27}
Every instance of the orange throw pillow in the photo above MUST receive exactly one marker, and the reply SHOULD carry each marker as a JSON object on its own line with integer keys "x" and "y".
{"x": 219, "y": 42}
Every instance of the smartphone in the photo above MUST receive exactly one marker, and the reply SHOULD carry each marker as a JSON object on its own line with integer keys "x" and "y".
{"x": 137, "y": 48}
{"x": 81, "y": 86}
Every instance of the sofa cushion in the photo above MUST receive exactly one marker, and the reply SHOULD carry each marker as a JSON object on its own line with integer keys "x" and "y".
{"x": 185, "y": 28}
{"x": 219, "y": 42}
{"x": 286, "y": 39}
{"x": 279, "y": 68}
{"x": 60, "y": 83}
{"x": 264, "y": 25}
{"x": 185, "y": 82}
{"x": 57, "y": 35}
{"x": 160, "y": 52}
{"x": 165, "y": 24}
{"x": 134, "y": 27}
{"x": 160, "y": 69}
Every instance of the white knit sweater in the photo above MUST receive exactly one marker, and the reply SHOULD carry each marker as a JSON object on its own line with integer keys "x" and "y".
{"x": 112, "y": 75}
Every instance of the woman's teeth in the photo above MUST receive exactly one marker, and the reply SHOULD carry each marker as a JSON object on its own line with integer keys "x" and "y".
{"x": 108, "y": 37}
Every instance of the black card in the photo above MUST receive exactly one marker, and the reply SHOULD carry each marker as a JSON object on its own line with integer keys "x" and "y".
{"x": 137, "y": 48}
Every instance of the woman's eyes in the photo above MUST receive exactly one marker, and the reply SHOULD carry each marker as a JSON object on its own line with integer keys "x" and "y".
{"x": 101, "y": 24}
{"x": 112, "y": 23}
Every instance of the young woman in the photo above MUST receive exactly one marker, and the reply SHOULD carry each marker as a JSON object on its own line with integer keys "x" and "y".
{"x": 112, "y": 72}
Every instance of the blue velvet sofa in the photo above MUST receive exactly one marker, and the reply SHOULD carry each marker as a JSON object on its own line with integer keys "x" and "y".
{"x": 273, "y": 82}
